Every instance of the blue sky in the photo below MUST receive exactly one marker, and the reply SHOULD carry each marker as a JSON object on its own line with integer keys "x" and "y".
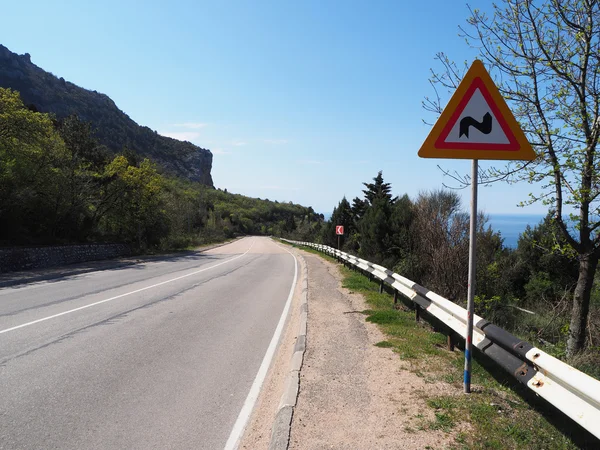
{"x": 298, "y": 101}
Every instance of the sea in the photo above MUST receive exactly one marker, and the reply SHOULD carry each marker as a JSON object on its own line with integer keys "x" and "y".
{"x": 510, "y": 226}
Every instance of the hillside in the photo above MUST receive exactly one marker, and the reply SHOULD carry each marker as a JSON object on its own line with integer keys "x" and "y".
{"x": 114, "y": 128}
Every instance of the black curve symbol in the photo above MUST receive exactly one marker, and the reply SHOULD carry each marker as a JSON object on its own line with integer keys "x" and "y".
{"x": 485, "y": 126}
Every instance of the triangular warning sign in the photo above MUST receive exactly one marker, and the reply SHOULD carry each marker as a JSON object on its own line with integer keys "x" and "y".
{"x": 477, "y": 124}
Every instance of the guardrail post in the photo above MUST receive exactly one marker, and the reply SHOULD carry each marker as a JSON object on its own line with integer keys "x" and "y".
{"x": 381, "y": 287}
{"x": 450, "y": 342}
{"x": 417, "y": 312}
{"x": 395, "y": 297}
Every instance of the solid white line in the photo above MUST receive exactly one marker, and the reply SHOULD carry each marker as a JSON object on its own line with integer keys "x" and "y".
{"x": 240, "y": 424}
{"x": 123, "y": 295}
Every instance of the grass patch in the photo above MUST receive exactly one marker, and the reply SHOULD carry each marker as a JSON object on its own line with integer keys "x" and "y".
{"x": 383, "y": 317}
{"x": 501, "y": 414}
{"x": 359, "y": 283}
{"x": 442, "y": 422}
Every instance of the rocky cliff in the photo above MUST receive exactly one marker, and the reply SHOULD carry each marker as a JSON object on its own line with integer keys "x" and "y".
{"x": 114, "y": 128}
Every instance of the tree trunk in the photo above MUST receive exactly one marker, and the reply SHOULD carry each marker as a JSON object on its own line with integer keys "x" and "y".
{"x": 581, "y": 304}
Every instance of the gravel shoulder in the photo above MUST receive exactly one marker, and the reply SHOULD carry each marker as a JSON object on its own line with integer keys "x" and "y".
{"x": 354, "y": 395}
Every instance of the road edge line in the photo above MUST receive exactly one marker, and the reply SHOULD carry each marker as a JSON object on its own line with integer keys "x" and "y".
{"x": 282, "y": 426}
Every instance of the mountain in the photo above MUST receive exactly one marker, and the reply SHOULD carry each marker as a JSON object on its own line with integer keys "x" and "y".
{"x": 114, "y": 128}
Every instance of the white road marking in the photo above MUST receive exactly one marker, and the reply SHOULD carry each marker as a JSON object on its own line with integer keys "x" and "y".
{"x": 240, "y": 424}
{"x": 123, "y": 295}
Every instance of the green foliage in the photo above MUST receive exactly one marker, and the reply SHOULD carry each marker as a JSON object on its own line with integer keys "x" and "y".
{"x": 378, "y": 190}
{"x": 376, "y": 227}
{"x": 543, "y": 56}
{"x": 381, "y": 317}
{"x": 113, "y": 128}
{"x": 342, "y": 215}
{"x": 32, "y": 156}
{"x": 58, "y": 185}
{"x": 137, "y": 216}
{"x": 359, "y": 207}
{"x": 375, "y": 231}
{"x": 442, "y": 422}
{"x": 490, "y": 307}
{"x": 524, "y": 290}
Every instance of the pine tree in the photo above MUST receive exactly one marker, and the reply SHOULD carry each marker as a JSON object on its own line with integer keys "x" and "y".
{"x": 378, "y": 190}
{"x": 359, "y": 208}
{"x": 342, "y": 215}
{"x": 375, "y": 231}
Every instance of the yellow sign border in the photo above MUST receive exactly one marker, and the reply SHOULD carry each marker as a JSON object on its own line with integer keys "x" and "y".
{"x": 429, "y": 148}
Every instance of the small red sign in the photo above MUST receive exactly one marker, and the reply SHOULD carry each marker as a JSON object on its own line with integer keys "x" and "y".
{"x": 339, "y": 230}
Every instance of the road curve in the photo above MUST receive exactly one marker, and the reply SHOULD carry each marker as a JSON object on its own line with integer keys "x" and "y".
{"x": 160, "y": 355}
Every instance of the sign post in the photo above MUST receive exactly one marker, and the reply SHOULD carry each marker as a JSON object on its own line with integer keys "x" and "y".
{"x": 476, "y": 124}
{"x": 339, "y": 230}
{"x": 472, "y": 272}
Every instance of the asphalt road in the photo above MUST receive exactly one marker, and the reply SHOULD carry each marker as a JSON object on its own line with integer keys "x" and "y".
{"x": 160, "y": 355}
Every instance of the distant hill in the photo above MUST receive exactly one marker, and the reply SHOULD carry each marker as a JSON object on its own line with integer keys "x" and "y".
{"x": 114, "y": 128}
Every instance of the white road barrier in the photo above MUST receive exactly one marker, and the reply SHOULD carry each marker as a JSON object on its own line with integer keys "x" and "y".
{"x": 574, "y": 393}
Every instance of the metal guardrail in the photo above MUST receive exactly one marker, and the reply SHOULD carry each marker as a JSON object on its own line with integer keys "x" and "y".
{"x": 574, "y": 393}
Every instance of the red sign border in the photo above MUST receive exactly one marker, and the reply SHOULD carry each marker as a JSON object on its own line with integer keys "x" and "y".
{"x": 478, "y": 83}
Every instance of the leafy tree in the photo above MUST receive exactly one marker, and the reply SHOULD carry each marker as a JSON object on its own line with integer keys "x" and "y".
{"x": 43, "y": 91}
{"x": 290, "y": 223}
{"x": 83, "y": 164}
{"x": 555, "y": 270}
{"x": 546, "y": 57}
{"x": 30, "y": 185}
{"x": 79, "y": 138}
{"x": 58, "y": 185}
{"x": 138, "y": 215}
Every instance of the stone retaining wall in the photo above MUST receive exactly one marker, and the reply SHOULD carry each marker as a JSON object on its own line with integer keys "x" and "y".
{"x": 13, "y": 259}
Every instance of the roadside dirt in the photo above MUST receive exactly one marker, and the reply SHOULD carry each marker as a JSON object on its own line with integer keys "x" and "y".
{"x": 354, "y": 395}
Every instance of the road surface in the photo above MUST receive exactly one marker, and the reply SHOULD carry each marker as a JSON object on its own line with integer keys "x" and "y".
{"x": 160, "y": 355}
